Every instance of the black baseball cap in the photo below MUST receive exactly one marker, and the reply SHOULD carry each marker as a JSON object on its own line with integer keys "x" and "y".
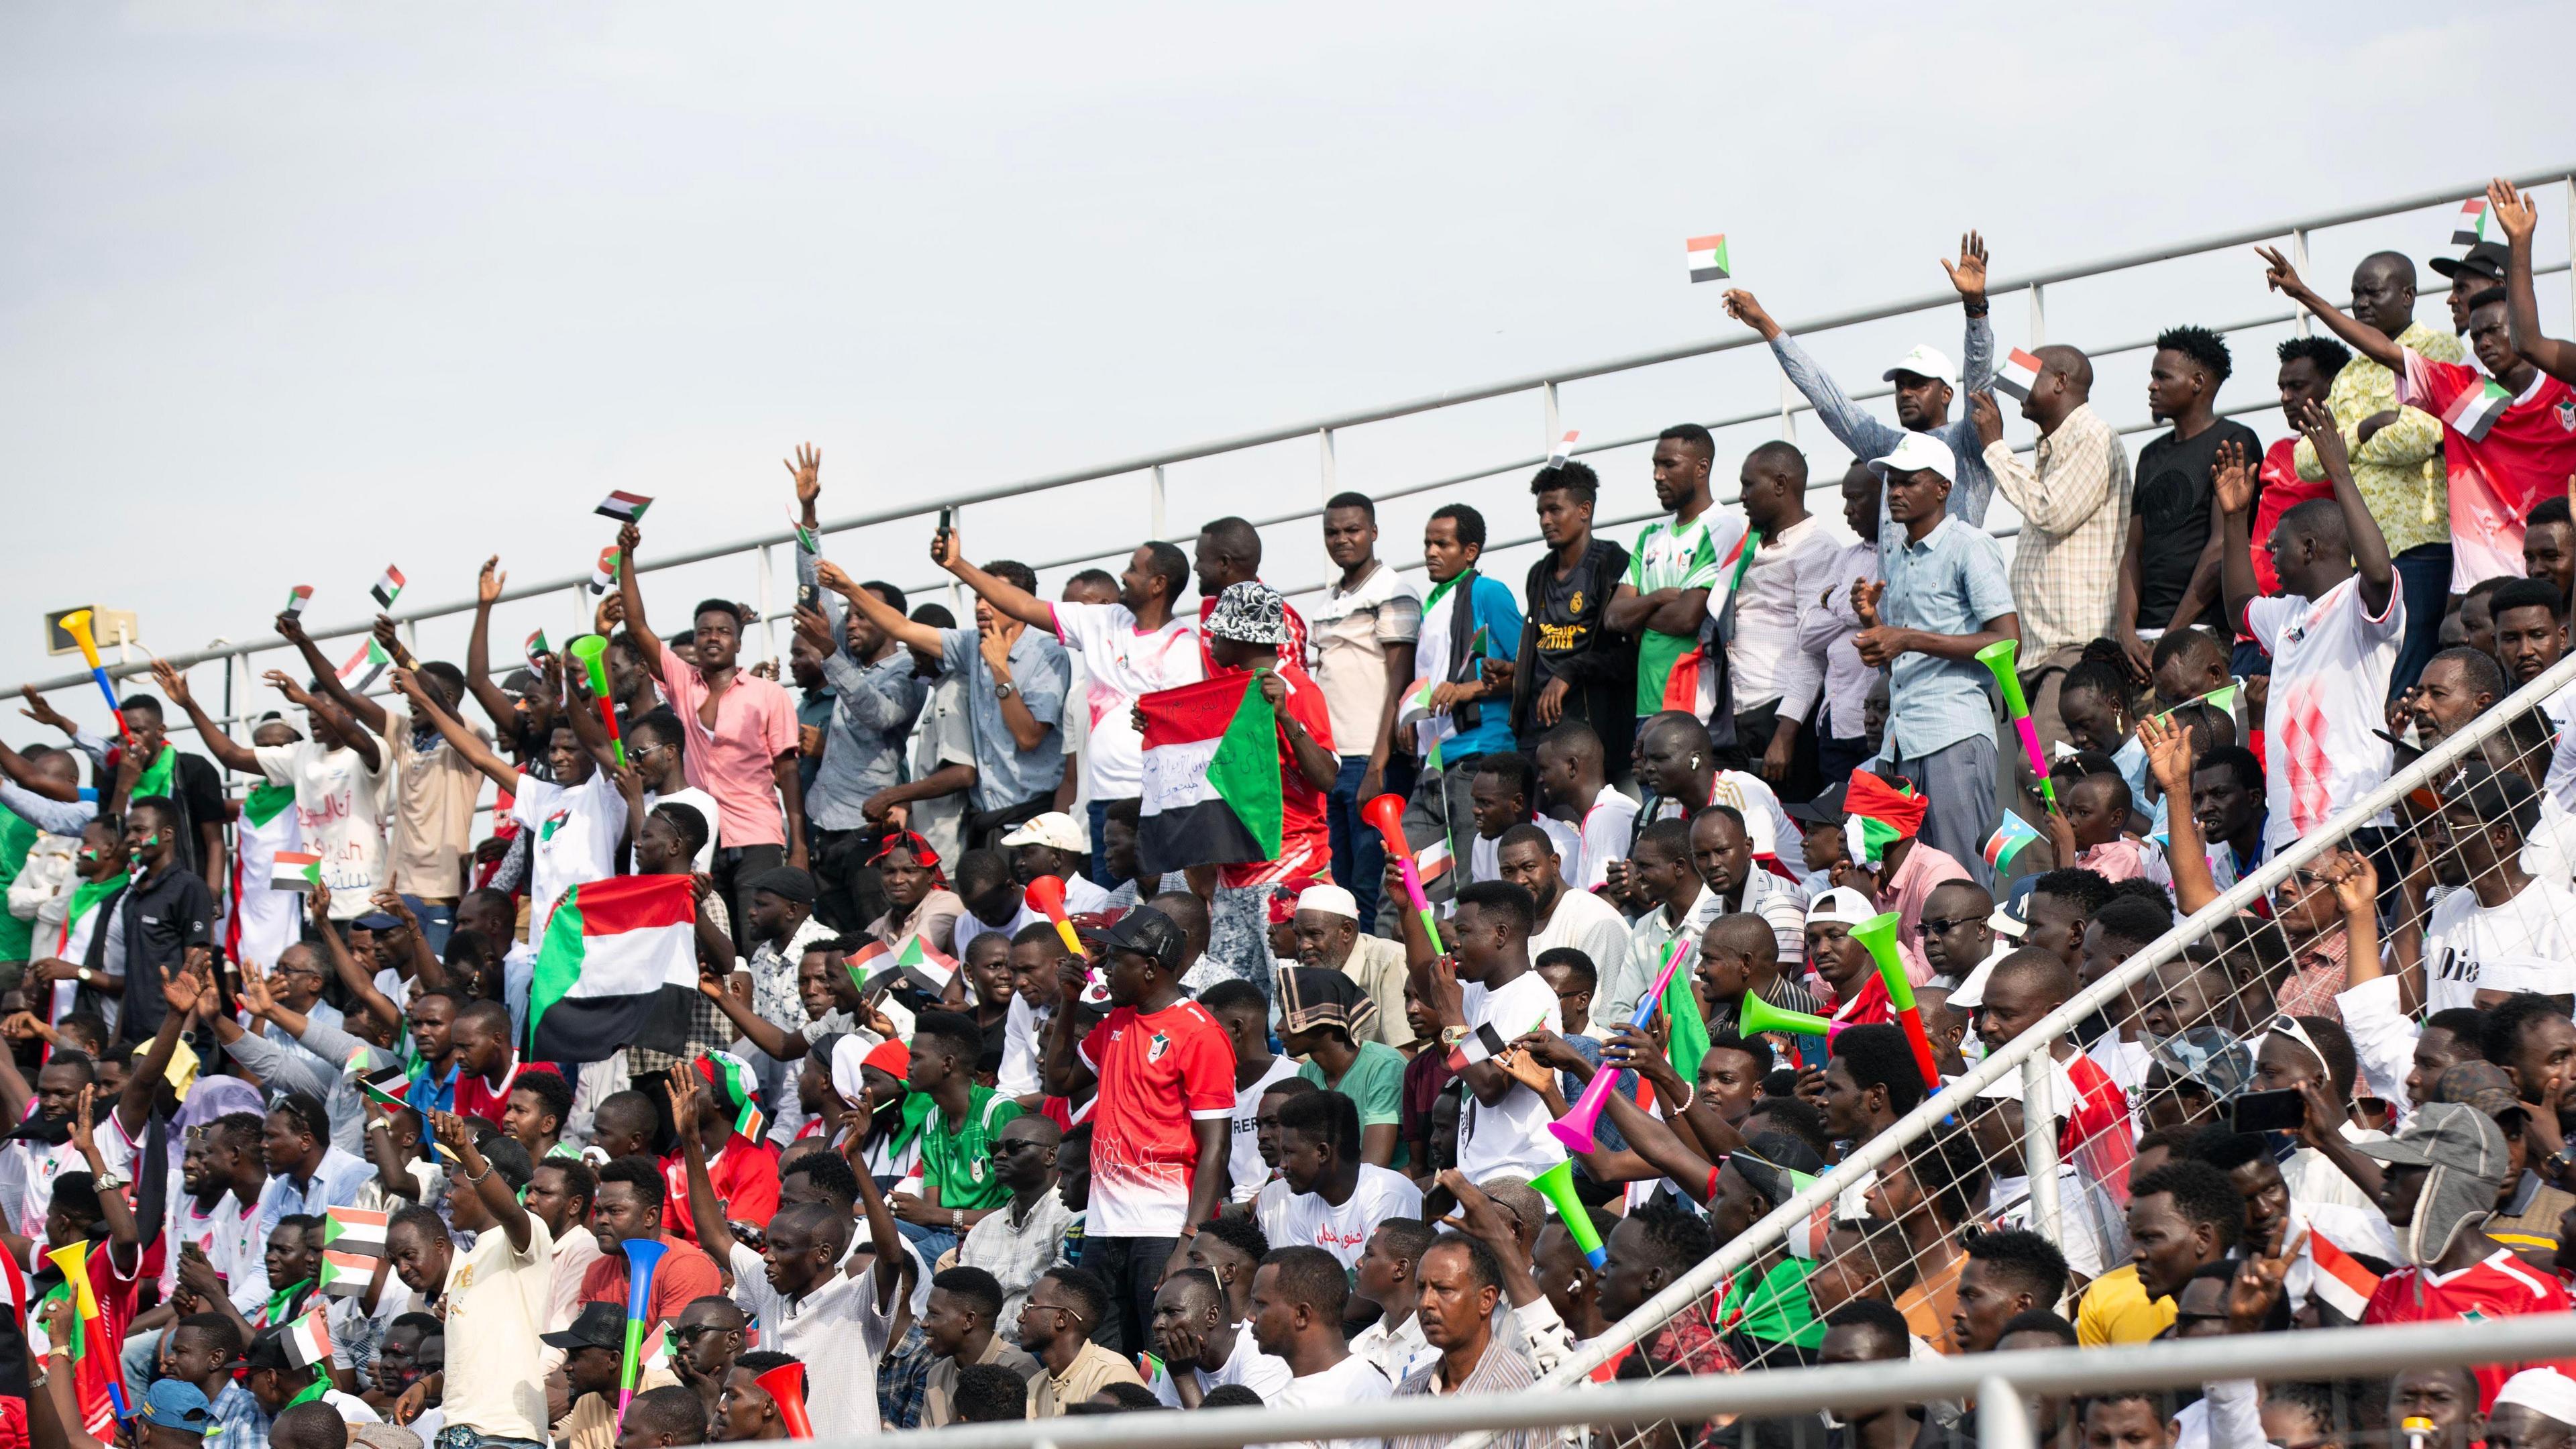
{"x": 1148, "y": 932}
{"x": 599, "y": 1325}
{"x": 1825, "y": 809}
{"x": 2483, "y": 262}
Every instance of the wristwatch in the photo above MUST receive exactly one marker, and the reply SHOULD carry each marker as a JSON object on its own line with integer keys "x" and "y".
{"x": 87, "y": 976}
{"x": 1004, "y": 689}
{"x": 2561, "y": 1160}
{"x": 1450, "y": 1036}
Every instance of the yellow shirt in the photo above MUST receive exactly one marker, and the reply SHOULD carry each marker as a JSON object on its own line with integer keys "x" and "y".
{"x": 2399, "y": 471}
{"x": 2115, "y": 1310}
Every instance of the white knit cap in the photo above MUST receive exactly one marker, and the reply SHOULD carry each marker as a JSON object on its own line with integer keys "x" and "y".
{"x": 2544, "y": 1391}
{"x": 1331, "y": 900}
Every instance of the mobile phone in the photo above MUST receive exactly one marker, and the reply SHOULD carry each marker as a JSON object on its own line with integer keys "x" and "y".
{"x": 2282, "y": 1111}
{"x": 947, "y": 519}
{"x": 809, "y": 596}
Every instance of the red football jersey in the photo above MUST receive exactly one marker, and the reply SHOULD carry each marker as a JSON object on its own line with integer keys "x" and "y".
{"x": 2498, "y": 1286}
{"x": 1159, "y": 1073}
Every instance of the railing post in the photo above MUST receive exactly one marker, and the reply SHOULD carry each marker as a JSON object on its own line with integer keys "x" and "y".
{"x": 1324, "y": 455}
{"x": 411, "y": 636}
{"x": 2571, "y": 251}
{"x": 1155, "y": 504}
{"x": 2002, "y": 1421}
{"x": 957, "y": 590}
{"x": 2299, "y": 259}
{"x": 582, "y": 612}
{"x": 1547, "y": 402}
{"x": 2039, "y": 1141}
{"x": 768, "y": 615}
{"x": 2038, "y": 314}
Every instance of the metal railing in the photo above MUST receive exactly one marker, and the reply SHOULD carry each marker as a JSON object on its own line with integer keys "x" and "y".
{"x": 1325, "y": 430}
{"x": 1997, "y": 1382}
{"x": 2026, "y": 1051}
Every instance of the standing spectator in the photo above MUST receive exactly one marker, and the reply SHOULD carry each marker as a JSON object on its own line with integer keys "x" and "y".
{"x": 1663, "y": 602}
{"x": 496, "y": 1296}
{"x": 1162, "y": 1073}
{"x": 191, "y": 783}
{"x": 165, "y": 913}
{"x": 1488, "y": 999}
{"x": 1467, "y": 620}
{"x": 1228, "y": 552}
{"x": 2394, "y": 450}
{"x": 1567, "y": 918}
{"x": 1366, "y": 630}
{"x": 1574, "y": 787}
{"x": 339, "y": 775}
{"x": 2333, "y": 636}
{"x": 1016, "y": 679}
{"x": 745, "y": 753}
{"x": 2169, "y": 562}
{"x": 2309, "y": 367}
{"x": 1578, "y": 671}
{"x": 1925, "y": 383}
{"x": 2073, "y": 497}
{"x": 1827, "y": 625}
{"x": 933, "y": 802}
{"x": 1945, "y": 598}
{"x": 1776, "y": 681}
{"x": 2549, "y": 545}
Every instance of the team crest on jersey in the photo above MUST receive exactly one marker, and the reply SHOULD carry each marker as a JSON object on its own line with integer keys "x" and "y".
{"x": 1155, "y": 1048}
{"x": 975, "y": 1169}
{"x": 1575, "y": 605}
{"x": 2567, "y": 416}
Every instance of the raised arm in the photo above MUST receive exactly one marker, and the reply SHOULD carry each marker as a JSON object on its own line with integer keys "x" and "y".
{"x": 498, "y": 1199}
{"x": 2365, "y": 339}
{"x": 806, "y": 468}
{"x": 478, "y": 649}
{"x": 883, "y": 1235}
{"x": 230, "y": 753}
{"x": 2169, "y": 758}
{"x": 425, "y": 965}
{"x": 327, "y": 679}
{"x": 340, "y": 720}
{"x": 361, "y": 984}
{"x": 2522, "y": 304}
{"x": 179, "y": 990}
{"x": 646, "y": 641}
{"x": 2231, "y": 478}
{"x": 2370, "y": 562}
{"x": 121, "y": 1229}
{"x": 705, "y": 1213}
{"x": 880, "y": 613}
{"x": 781, "y": 1045}
{"x": 499, "y": 771}
{"x": 1851, "y": 425}
{"x": 949, "y": 552}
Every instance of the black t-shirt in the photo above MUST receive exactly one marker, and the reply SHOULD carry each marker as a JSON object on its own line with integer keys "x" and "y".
{"x": 2172, "y": 498}
{"x": 1568, "y": 609}
{"x": 164, "y": 916}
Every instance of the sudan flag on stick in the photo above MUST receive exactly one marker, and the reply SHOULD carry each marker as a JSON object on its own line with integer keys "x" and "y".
{"x": 294, "y": 870}
{"x": 618, "y": 967}
{"x": 624, "y": 507}
{"x": 388, "y": 588}
{"x": 1707, "y": 258}
{"x": 1211, "y": 791}
{"x": 2019, "y": 376}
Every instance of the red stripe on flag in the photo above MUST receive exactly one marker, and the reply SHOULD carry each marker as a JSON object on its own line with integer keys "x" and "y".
{"x": 635, "y": 903}
{"x": 1192, "y": 712}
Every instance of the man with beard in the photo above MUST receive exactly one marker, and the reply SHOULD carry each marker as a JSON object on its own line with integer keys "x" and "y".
{"x": 1329, "y": 938}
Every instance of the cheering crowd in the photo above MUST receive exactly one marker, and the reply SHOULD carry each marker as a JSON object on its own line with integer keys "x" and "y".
{"x": 1494, "y": 956}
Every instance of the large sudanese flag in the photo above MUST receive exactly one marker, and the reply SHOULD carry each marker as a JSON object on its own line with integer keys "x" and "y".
{"x": 1211, "y": 789}
{"x": 618, "y": 966}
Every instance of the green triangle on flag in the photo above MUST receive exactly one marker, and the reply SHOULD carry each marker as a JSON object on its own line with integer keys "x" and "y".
{"x": 1244, "y": 772}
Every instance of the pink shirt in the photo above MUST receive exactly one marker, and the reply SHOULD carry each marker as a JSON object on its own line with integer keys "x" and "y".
{"x": 2126, "y": 859}
{"x": 1924, "y": 869}
{"x": 755, "y": 724}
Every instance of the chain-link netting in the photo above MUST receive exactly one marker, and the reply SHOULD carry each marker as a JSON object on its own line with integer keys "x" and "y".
{"x": 2266, "y": 1016}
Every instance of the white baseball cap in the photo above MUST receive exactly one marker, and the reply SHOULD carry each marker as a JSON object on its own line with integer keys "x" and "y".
{"x": 1917, "y": 451}
{"x": 1843, "y": 905}
{"x": 1054, "y": 829}
{"x": 1924, "y": 361}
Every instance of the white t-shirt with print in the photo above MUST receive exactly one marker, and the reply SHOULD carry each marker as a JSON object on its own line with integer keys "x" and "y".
{"x": 2531, "y": 939}
{"x": 1246, "y": 1365}
{"x": 1243, "y": 1156}
{"x": 575, "y": 830}
{"x": 341, "y": 806}
{"x": 2330, "y": 665}
{"x": 1512, "y": 1136}
{"x": 1123, "y": 662}
{"x": 703, "y": 803}
{"x": 1305, "y": 1220}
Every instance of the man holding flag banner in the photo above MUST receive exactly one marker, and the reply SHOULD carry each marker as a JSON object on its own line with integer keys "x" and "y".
{"x": 1452, "y": 713}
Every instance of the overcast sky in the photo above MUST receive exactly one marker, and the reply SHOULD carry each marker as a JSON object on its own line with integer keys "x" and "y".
{"x": 290, "y": 291}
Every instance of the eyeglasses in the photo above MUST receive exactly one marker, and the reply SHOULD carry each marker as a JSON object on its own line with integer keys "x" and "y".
{"x": 1933, "y": 926}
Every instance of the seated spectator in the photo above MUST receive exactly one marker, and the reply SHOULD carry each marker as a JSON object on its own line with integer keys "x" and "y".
{"x": 965, "y": 1305}
{"x": 1333, "y": 1197}
{"x": 1320, "y": 1014}
{"x": 1297, "y": 1301}
{"x": 1330, "y": 938}
{"x": 1461, "y": 1287}
{"x": 1022, "y": 1237}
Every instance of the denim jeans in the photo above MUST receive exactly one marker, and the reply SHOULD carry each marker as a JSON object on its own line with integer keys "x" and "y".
{"x": 1359, "y": 857}
{"x": 436, "y": 922}
{"x": 1099, "y": 867}
{"x": 2424, "y": 574}
{"x": 931, "y": 1241}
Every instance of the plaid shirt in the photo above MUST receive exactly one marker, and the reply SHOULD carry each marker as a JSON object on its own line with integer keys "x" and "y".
{"x": 1016, "y": 1253}
{"x": 710, "y": 1030}
{"x": 2074, "y": 502}
{"x": 1503, "y": 1370}
{"x": 238, "y": 1421}
{"x": 903, "y": 1380}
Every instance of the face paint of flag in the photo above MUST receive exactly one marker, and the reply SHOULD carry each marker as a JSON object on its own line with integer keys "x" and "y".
{"x": 1707, "y": 258}
{"x": 2019, "y": 376}
{"x": 2472, "y": 413}
{"x": 2008, "y": 839}
{"x": 624, "y": 507}
{"x": 2341, "y": 1283}
{"x": 295, "y": 601}
{"x": 2471, "y": 230}
{"x": 360, "y": 670}
{"x": 1564, "y": 448}
{"x": 735, "y": 1088}
{"x": 388, "y": 587}
{"x": 354, "y": 1230}
{"x": 294, "y": 870}
{"x": 603, "y": 574}
{"x": 309, "y": 1341}
{"x": 346, "y": 1275}
{"x": 536, "y": 646}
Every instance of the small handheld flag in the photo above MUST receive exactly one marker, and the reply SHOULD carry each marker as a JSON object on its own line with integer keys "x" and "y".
{"x": 345, "y": 1275}
{"x": 2473, "y": 412}
{"x": 297, "y": 598}
{"x": 2471, "y": 228}
{"x": 537, "y": 647}
{"x": 2020, "y": 375}
{"x": 1707, "y": 258}
{"x": 388, "y": 588}
{"x": 309, "y": 1341}
{"x": 2342, "y": 1283}
{"x": 807, "y": 540}
{"x": 2008, "y": 840}
{"x": 361, "y": 670}
{"x": 1564, "y": 448}
{"x": 603, "y": 574}
{"x": 354, "y": 1230}
{"x": 294, "y": 870}
{"x": 623, "y": 506}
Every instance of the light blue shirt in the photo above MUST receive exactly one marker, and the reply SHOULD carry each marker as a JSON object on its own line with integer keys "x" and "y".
{"x": 1950, "y": 583}
{"x": 1005, "y": 774}
{"x": 334, "y": 1184}
{"x": 1870, "y": 437}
